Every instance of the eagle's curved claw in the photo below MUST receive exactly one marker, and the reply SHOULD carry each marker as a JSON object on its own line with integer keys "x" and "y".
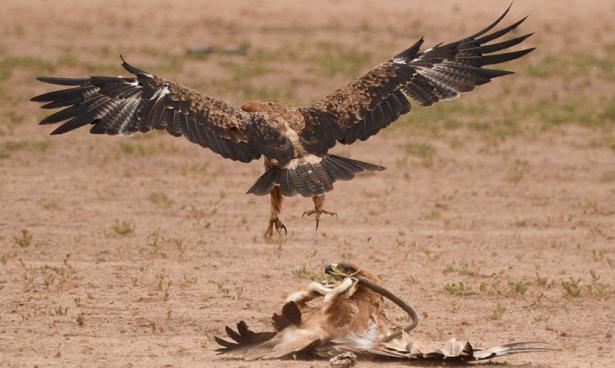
{"x": 278, "y": 226}
{"x": 317, "y": 214}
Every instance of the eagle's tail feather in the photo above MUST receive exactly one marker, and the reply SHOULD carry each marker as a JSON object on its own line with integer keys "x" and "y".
{"x": 310, "y": 177}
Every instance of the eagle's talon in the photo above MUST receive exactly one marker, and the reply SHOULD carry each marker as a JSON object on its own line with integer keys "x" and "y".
{"x": 278, "y": 226}
{"x": 283, "y": 227}
{"x": 317, "y": 213}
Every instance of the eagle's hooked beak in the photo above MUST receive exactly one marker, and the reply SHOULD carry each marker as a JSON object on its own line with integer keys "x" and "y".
{"x": 333, "y": 270}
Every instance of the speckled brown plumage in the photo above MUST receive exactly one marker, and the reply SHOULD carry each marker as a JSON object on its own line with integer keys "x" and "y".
{"x": 294, "y": 141}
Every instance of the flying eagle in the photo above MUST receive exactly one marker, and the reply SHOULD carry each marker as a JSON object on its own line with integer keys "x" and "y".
{"x": 293, "y": 140}
{"x": 350, "y": 319}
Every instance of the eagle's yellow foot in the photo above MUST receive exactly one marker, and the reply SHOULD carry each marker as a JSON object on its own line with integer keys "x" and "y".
{"x": 317, "y": 213}
{"x": 277, "y": 225}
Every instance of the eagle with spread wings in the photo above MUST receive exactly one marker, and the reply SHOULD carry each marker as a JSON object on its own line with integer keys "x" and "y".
{"x": 349, "y": 319}
{"x": 294, "y": 141}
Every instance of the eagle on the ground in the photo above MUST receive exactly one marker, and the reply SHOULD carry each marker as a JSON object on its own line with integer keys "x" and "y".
{"x": 349, "y": 319}
{"x": 293, "y": 140}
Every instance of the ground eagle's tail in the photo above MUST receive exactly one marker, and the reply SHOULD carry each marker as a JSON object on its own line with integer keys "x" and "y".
{"x": 310, "y": 176}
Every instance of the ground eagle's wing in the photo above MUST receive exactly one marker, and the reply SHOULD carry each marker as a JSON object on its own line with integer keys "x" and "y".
{"x": 119, "y": 105}
{"x": 376, "y": 99}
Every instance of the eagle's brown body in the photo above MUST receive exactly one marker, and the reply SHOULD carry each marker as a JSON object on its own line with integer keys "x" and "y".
{"x": 294, "y": 141}
{"x": 350, "y": 319}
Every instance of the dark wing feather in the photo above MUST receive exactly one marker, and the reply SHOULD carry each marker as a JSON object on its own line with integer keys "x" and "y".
{"x": 242, "y": 339}
{"x": 130, "y": 105}
{"x": 370, "y": 103}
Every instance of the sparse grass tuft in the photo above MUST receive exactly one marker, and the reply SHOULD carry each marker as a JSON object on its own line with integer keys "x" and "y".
{"x": 60, "y": 311}
{"x": 160, "y": 199}
{"x": 572, "y": 287}
{"x": 200, "y": 169}
{"x": 333, "y": 59}
{"x": 242, "y": 71}
{"x": 48, "y": 276}
{"x": 430, "y": 216}
{"x": 596, "y": 288}
{"x": 144, "y": 149}
{"x": 425, "y": 151}
{"x": 517, "y": 172}
{"x": 163, "y": 285}
{"x": 123, "y": 228}
{"x": 543, "y": 281}
{"x": 498, "y": 312}
{"x": 499, "y": 130}
{"x": 519, "y": 287}
{"x": 24, "y": 145}
{"x": 223, "y": 290}
{"x": 459, "y": 289}
{"x": 24, "y": 240}
{"x": 571, "y": 66}
{"x": 464, "y": 270}
{"x": 450, "y": 268}
{"x": 36, "y": 66}
{"x": 304, "y": 272}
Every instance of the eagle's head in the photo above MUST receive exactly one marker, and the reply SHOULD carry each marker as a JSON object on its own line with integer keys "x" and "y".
{"x": 340, "y": 271}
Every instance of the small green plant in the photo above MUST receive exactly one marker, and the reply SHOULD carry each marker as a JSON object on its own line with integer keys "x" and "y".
{"x": 25, "y": 239}
{"x": 425, "y": 151}
{"x": 164, "y": 286}
{"x": 198, "y": 169}
{"x": 465, "y": 270}
{"x": 483, "y": 287}
{"x": 498, "y": 312}
{"x": 189, "y": 281}
{"x": 304, "y": 272}
{"x": 517, "y": 172}
{"x": 144, "y": 149}
{"x": 430, "y": 216}
{"x": 459, "y": 289}
{"x": 518, "y": 287}
{"x": 24, "y": 145}
{"x": 450, "y": 268}
{"x": 60, "y": 311}
{"x": 160, "y": 199}
{"x": 597, "y": 288}
{"x": 337, "y": 59}
{"x": 542, "y": 280}
{"x": 123, "y": 228}
{"x": 599, "y": 254}
{"x": 223, "y": 290}
{"x": 572, "y": 287}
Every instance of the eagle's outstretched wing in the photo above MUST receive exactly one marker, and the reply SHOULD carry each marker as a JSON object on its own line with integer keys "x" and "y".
{"x": 376, "y": 99}
{"x": 129, "y": 105}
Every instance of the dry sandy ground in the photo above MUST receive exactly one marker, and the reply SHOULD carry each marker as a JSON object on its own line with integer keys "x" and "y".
{"x": 514, "y": 215}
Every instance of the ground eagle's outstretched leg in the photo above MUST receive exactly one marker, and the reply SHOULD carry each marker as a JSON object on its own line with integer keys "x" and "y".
{"x": 274, "y": 221}
{"x": 318, "y": 210}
